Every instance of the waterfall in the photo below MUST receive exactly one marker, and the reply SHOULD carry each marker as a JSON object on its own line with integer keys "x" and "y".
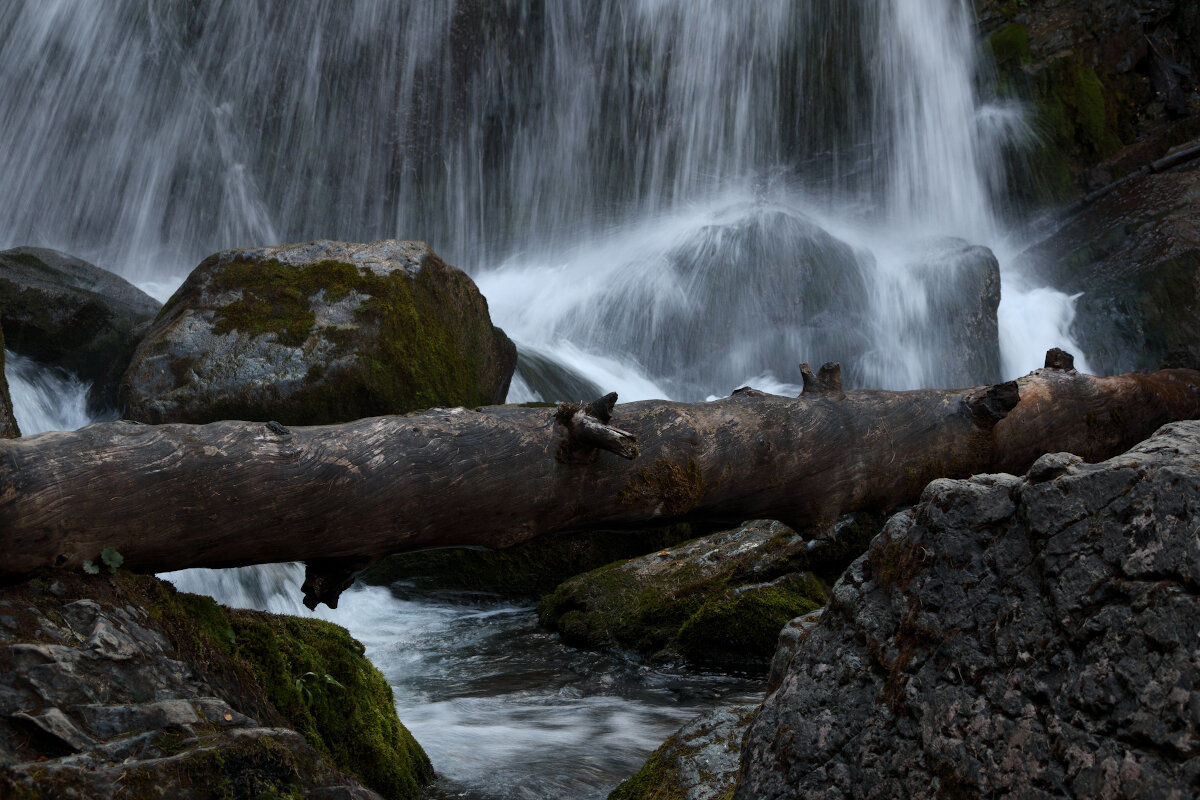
{"x": 666, "y": 198}
{"x": 681, "y": 186}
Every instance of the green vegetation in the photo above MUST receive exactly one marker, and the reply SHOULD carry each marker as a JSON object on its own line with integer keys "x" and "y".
{"x": 310, "y": 672}
{"x": 724, "y": 611}
{"x": 414, "y": 342}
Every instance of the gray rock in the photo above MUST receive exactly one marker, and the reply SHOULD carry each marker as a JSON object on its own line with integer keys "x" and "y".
{"x": 63, "y": 311}
{"x": 54, "y": 723}
{"x": 790, "y": 638}
{"x": 1006, "y": 637}
{"x": 316, "y": 333}
{"x": 118, "y": 707}
{"x": 699, "y": 761}
{"x": 1134, "y": 258}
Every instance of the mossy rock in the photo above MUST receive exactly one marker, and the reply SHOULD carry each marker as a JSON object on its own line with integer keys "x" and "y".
{"x": 719, "y": 600}
{"x": 698, "y": 762}
{"x": 159, "y": 693}
{"x": 311, "y": 672}
{"x": 318, "y": 333}
{"x": 65, "y": 312}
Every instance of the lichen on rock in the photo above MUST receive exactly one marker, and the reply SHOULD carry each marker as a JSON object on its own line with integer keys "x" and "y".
{"x": 317, "y": 333}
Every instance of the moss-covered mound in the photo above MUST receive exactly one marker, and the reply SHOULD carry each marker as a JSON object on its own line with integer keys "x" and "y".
{"x": 314, "y": 673}
{"x": 718, "y": 601}
{"x": 120, "y": 686}
{"x": 63, "y": 311}
{"x": 318, "y": 333}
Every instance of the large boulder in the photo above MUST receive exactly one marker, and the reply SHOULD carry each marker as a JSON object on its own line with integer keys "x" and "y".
{"x": 719, "y": 600}
{"x": 317, "y": 333}
{"x": 117, "y": 685}
{"x": 1023, "y": 637}
{"x": 1134, "y": 257}
{"x": 65, "y": 312}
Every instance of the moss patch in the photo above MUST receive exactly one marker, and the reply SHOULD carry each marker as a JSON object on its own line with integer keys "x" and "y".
{"x": 309, "y": 671}
{"x": 741, "y": 625}
{"x": 720, "y": 600}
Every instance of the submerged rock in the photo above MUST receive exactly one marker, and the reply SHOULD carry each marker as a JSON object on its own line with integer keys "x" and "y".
{"x": 1028, "y": 637}
{"x": 65, "y": 312}
{"x": 719, "y": 600}
{"x": 122, "y": 687}
{"x": 316, "y": 333}
{"x": 1134, "y": 256}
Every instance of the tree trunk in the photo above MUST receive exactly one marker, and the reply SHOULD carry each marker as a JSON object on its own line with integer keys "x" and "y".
{"x": 233, "y": 493}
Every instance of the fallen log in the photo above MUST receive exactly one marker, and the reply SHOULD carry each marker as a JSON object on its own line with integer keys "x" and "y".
{"x": 337, "y": 496}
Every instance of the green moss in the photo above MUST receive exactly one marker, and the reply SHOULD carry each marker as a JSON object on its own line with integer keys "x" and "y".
{"x": 309, "y": 671}
{"x": 429, "y": 350}
{"x": 1010, "y": 47}
{"x": 247, "y": 770}
{"x": 724, "y": 611}
{"x": 658, "y": 779}
{"x": 315, "y": 674}
{"x": 745, "y": 625}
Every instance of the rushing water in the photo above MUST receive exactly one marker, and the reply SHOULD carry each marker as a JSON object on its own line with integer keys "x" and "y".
{"x": 505, "y": 711}
{"x": 664, "y": 198}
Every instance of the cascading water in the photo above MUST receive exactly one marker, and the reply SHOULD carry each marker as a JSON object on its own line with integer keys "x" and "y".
{"x": 665, "y": 198}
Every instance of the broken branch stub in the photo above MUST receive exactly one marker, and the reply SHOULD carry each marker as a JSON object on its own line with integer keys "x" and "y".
{"x": 588, "y": 431}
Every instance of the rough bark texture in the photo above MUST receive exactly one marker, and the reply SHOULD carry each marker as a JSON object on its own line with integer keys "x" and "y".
{"x": 228, "y": 493}
{"x": 1007, "y": 637}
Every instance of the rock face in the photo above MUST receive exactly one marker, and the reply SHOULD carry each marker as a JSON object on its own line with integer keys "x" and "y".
{"x": 65, "y": 312}
{"x": 317, "y": 333}
{"x": 719, "y": 600}
{"x": 1027, "y": 637}
{"x": 1135, "y": 257}
{"x": 118, "y": 686}
{"x": 1112, "y": 85}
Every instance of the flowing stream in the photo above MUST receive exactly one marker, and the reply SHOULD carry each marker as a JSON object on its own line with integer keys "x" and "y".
{"x": 666, "y": 198}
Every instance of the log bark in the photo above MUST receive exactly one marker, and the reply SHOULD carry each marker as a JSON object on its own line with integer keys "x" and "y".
{"x": 233, "y": 493}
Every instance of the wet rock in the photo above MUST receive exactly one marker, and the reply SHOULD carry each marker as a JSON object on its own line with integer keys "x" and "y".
{"x": 1112, "y": 86}
{"x": 719, "y": 600}
{"x": 189, "y": 701}
{"x": 1006, "y": 636}
{"x": 316, "y": 333}
{"x": 8, "y": 420}
{"x": 1134, "y": 258}
{"x": 790, "y": 639}
{"x": 698, "y": 762}
{"x": 65, "y": 312}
